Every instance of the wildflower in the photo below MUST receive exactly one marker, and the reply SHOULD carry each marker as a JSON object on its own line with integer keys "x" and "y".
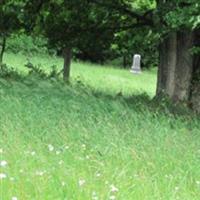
{"x": 3, "y": 163}
{"x": 2, "y": 175}
{"x": 57, "y": 152}
{"x": 198, "y": 182}
{"x": 60, "y": 162}
{"x": 51, "y": 147}
{"x": 98, "y": 175}
{"x": 40, "y": 173}
{"x": 112, "y": 197}
{"x": 113, "y": 188}
{"x": 12, "y": 179}
{"x": 33, "y": 153}
{"x": 63, "y": 183}
{"x": 176, "y": 188}
{"x": 94, "y": 196}
{"x": 87, "y": 157}
{"x": 14, "y": 198}
{"x": 66, "y": 147}
{"x": 83, "y": 146}
{"x": 1, "y": 150}
{"x": 81, "y": 182}
{"x": 94, "y": 193}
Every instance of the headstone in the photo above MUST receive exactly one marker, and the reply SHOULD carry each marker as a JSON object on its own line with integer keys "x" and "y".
{"x": 136, "y": 68}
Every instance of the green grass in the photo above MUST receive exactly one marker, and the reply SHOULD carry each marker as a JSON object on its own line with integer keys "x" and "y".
{"x": 98, "y": 136}
{"x": 104, "y": 79}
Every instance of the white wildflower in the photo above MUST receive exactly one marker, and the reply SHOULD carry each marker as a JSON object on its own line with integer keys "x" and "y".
{"x": 98, "y": 175}
{"x": 33, "y": 153}
{"x": 63, "y": 183}
{"x": 113, "y": 188}
{"x": 1, "y": 150}
{"x": 12, "y": 178}
{"x": 2, "y": 175}
{"x": 112, "y": 197}
{"x": 14, "y": 198}
{"x": 81, "y": 182}
{"x": 60, "y": 162}
{"x": 176, "y": 188}
{"x": 94, "y": 193}
{"x": 94, "y": 196}
{"x": 66, "y": 147}
{"x": 87, "y": 157}
{"x": 3, "y": 163}
{"x": 106, "y": 182}
{"x": 198, "y": 182}
{"x": 57, "y": 152}
{"x": 50, "y": 147}
{"x": 40, "y": 173}
{"x": 84, "y": 146}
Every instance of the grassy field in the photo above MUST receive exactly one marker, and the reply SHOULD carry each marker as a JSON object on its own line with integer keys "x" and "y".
{"x": 87, "y": 142}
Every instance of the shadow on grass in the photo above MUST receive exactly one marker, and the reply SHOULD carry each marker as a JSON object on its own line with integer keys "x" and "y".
{"x": 39, "y": 82}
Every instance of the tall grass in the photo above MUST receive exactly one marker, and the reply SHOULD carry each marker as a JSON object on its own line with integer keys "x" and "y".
{"x": 88, "y": 141}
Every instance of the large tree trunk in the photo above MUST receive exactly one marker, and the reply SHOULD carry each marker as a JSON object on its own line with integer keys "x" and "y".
{"x": 167, "y": 65}
{"x": 3, "y": 47}
{"x": 184, "y": 66}
{"x": 176, "y": 66}
{"x": 67, "y": 55}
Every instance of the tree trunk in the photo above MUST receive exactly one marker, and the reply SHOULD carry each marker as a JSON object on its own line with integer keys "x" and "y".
{"x": 3, "y": 47}
{"x": 176, "y": 66}
{"x": 184, "y": 66}
{"x": 124, "y": 61}
{"x": 67, "y": 55}
{"x": 167, "y": 65}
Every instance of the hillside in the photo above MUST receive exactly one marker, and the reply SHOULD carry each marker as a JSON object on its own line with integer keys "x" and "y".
{"x": 98, "y": 138}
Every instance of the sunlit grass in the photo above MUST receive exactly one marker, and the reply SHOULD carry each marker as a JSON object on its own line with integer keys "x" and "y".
{"x": 86, "y": 142}
{"x": 101, "y": 78}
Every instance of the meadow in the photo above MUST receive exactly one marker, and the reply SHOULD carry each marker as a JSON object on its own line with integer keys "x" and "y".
{"x": 99, "y": 138}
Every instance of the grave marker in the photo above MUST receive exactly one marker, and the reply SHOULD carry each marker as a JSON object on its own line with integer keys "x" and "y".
{"x": 136, "y": 68}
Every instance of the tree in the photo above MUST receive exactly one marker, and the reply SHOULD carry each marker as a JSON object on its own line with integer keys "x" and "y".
{"x": 10, "y": 20}
{"x": 177, "y": 22}
{"x": 88, "y": 26}
{"x": 76, "y": 24}
{"x": 70, "y": 25}
{"x": 178, "y": 65}
{"x": 139, "y": 40}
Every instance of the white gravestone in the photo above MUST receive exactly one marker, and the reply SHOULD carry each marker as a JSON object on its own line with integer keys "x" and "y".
{"x": 136, "y": 68}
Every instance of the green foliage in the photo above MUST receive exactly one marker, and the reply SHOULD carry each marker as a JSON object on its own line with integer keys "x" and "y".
{"x": 7, "y": 72}
{"x": 142, "y": 41}
{"x": 39, "y": 72}
{"x": 11, "y": 13}
{"x": 28, "y": 45}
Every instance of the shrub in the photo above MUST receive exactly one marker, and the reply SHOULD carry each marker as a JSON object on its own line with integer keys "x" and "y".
{"x": 28, "y": 45}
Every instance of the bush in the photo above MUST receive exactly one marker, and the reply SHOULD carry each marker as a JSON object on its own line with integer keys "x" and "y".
{"x": 27, "y": 45}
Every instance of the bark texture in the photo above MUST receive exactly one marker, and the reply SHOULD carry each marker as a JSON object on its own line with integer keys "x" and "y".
{"x": 176, "y": 66}
{"x": 167, "y": 65}
{"x": 184, "y": 66}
